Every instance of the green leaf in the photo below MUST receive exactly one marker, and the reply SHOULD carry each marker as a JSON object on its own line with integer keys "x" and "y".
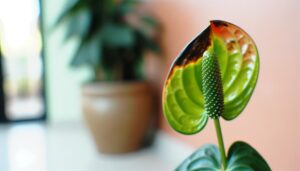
{"x": 127, "y": 6}
{"x": 88, "y": 53}
{"x": 147, "y": 42}
{"x": 207, "y": 158}
{"x": 241, "y": 157}
{"x": 114, "y": 35}
{"x": 79, "y": 24}
{"x": 149, "y": 21}
{"x": 183, "y": 101}
{"x": 71, "y": 10}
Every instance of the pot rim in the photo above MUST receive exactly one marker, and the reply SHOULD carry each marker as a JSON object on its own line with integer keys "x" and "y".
{"x": 115, "y": 88}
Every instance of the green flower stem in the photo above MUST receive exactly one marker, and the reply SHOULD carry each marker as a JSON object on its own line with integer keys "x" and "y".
{"x": 221, "y": 142}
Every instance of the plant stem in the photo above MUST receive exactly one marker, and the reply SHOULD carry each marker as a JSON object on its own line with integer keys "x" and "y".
{"x": 221, "y": 142}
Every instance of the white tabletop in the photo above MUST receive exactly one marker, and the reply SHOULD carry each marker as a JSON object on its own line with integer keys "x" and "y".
{"x": 68, "y": 147}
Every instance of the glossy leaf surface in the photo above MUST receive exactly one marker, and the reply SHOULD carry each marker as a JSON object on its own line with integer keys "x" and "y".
{"x": 183, "y": 101}
{"x": 206, "y": 158}
{"x": 241, "y": 157}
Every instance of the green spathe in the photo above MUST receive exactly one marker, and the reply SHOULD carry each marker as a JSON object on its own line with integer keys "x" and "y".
{"x": 214, "y": 76}
{"x": 183, "y": 96}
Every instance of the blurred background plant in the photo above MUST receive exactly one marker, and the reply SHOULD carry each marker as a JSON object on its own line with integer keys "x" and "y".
{"x": 113, "y": 37}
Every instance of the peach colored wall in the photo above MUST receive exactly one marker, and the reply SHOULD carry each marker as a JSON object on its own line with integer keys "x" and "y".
{"x": 271, "y": 120}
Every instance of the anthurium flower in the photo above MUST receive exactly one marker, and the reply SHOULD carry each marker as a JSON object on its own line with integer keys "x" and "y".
{"x": 214, "y": 76}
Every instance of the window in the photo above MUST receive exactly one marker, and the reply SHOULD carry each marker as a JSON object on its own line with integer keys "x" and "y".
{"x": 22, "y": 68}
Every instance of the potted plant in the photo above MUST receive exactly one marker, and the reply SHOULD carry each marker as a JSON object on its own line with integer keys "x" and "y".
{"x": 214, "y": 77}
{"x": 113, "y": 37}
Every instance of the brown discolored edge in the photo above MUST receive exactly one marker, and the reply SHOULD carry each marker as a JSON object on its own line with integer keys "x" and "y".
{"x": 217, "y": 27}
{"x": 197, "y": 47}
{"x": 192, "y": 52}
{"x": 219, "y": 23}
{"x": 225, "y": 29}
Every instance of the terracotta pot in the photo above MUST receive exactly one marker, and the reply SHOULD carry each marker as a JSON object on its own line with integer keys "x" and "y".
{"x": 118, "y": 114}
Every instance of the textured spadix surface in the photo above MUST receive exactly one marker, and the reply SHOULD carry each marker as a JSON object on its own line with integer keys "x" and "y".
{"x": 183, "y": 94}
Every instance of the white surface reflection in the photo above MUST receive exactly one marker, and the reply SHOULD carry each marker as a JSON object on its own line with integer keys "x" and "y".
{"x": 69, "y": 147}
{"x": 26, "y": 148}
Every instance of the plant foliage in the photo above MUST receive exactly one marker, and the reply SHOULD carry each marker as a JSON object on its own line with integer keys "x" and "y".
{"x": 113, "y": 36}
{"x": 241, "y": 157}
{"x": 238, "y": 60}
{"x": 214, "y": 77}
